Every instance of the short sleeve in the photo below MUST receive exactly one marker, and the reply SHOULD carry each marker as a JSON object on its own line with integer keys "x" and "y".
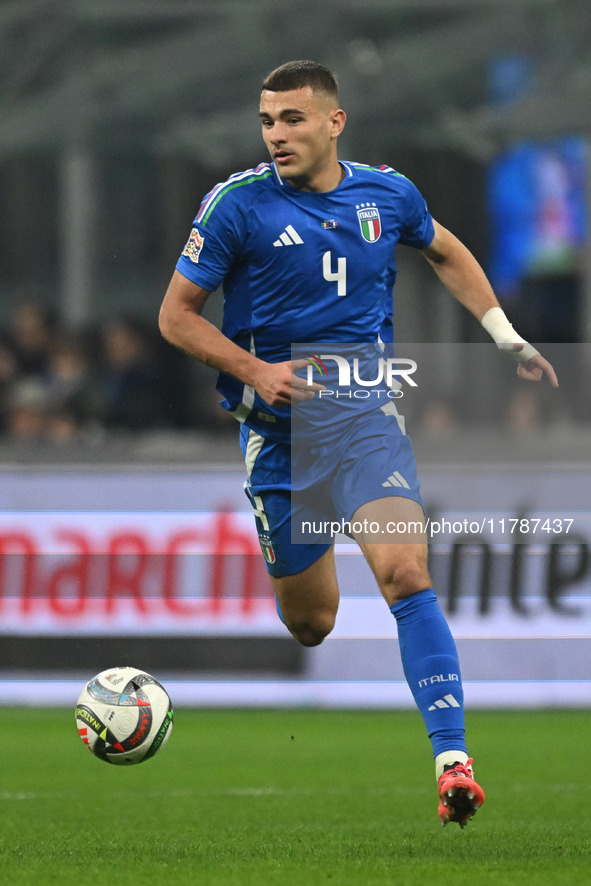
{"x": 417, "y": 229}
{"x": 213, "y": 247}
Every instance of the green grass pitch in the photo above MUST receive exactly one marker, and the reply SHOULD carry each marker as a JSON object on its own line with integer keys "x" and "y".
{"x": 294, "y": 797}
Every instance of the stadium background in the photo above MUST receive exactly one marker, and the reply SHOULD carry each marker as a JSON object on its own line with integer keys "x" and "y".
{"x": 124, "y": 532}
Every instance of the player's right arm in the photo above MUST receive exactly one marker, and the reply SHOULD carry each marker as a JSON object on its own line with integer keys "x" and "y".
{"x": 462, "y": 275}
{"x": 182, "y": 325}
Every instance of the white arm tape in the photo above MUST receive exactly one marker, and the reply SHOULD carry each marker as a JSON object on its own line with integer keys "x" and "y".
{"x": 498, "y": 327}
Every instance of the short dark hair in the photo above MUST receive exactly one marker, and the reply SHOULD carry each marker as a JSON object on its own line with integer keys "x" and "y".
{"x": 297, "y": 74}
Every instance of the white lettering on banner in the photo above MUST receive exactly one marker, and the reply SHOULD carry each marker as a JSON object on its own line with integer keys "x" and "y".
{"x": 133, "y": 572}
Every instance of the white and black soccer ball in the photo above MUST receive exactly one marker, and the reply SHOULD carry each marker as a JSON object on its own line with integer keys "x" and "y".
{"x": 124, "y": 715}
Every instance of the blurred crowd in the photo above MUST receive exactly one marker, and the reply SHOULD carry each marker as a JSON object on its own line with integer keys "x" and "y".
{"x": 121, "y": 376}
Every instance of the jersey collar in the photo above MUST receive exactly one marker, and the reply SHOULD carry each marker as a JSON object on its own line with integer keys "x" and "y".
{"x": 346, "y": 166}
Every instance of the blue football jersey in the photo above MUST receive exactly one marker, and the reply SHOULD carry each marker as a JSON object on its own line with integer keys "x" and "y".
{"x": 300, "y": 266}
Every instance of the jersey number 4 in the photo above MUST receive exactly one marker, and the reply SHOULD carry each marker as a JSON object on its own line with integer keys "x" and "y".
{"x": 339, "y": 276}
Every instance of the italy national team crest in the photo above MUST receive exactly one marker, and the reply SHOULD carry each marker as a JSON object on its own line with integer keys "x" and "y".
{"x": 267, "y": 548}
{"x": 369, "y": 221}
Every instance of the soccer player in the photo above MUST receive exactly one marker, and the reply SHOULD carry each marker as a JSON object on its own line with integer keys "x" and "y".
{"x": 304, "y": 248}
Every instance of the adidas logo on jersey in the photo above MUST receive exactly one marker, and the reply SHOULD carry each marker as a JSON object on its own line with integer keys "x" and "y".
{"x": 448, "y": 701}
{"x": 289, "y": 237}
{"x": 396, "y": 479}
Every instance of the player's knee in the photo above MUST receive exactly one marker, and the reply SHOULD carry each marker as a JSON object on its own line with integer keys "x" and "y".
{"x": 403, "y": 579}
{"x": 312, "y": 630}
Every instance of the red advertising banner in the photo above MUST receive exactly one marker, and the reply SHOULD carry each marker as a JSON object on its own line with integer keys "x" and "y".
{"x": 133, "y": 572}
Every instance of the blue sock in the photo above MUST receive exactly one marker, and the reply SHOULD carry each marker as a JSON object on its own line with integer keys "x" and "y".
{"x": 432, "y": 669}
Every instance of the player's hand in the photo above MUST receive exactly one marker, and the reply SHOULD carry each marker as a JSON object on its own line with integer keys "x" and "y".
{"x": 535, "y": 368}
{"x": 302, "y": 386}
{"x": 279, "y": 385}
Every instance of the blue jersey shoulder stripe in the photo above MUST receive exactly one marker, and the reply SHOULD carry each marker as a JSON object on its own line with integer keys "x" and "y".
{"x": 392, "y": 171}
{"x": 235, "y": 181}
{"x": 387, "y": 169}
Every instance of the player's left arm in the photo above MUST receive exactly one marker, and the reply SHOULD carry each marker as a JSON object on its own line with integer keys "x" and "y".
{"x": 463, "y": 276}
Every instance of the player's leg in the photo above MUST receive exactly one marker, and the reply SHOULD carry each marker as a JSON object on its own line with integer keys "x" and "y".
{"x": 303, "y": 575}
{"x": 391, "y": 533}
{"x": 308, "y": 600}
{"x": 427, "y": 648}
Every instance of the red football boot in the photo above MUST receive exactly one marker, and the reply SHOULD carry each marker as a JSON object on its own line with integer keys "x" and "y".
{"x": 460, "y": 796}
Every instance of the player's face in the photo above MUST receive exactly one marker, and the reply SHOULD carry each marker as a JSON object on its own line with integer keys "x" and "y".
{"x": 300, "y": 129}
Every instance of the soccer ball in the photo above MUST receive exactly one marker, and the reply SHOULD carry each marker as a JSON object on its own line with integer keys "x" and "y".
{"x": 124, "y": 715}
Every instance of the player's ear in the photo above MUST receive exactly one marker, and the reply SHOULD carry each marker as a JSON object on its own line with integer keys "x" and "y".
{"x": 338, "y": 120}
